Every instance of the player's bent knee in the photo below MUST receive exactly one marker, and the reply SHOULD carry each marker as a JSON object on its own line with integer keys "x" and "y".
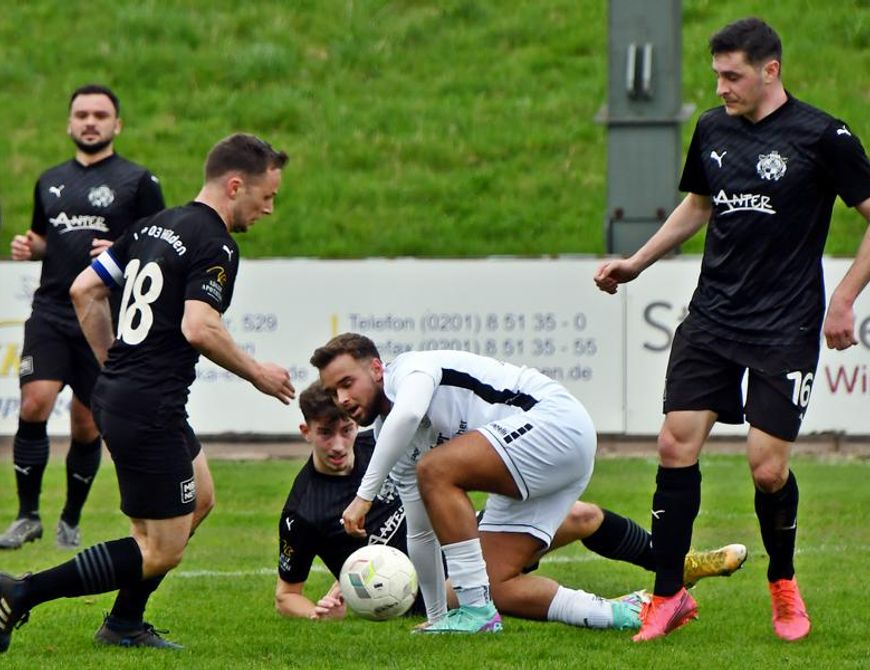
{"x": 769, "y": 479}
{"x": 673, "y": 451}
{"x": 431, "y": 471}
{"x": 584, "y": 518}
{"x": 160, "y": 562}
{"x": 35, "y": 408}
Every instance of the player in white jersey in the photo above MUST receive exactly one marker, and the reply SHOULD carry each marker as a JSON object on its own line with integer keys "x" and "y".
{"x": 506, "y": 430}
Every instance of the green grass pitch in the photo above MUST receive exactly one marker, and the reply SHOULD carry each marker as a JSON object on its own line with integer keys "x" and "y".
{"x": 218, "y": 603}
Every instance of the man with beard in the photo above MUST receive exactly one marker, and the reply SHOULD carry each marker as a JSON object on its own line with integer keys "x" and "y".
{"x": 310, "y": 524}
{"x": 80, "y": 207}
{"x": 450, "y": 422}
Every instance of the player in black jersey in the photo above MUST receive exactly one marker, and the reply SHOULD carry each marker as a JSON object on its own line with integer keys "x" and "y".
{"x": 762, "y": 171}
{"x": 79, "y": 208}
{"x": 310, "y": 524}
{"x": 176, "y": 271}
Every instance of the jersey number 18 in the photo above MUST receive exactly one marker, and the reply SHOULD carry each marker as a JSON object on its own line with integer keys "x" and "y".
{"x": 137, "y": 302}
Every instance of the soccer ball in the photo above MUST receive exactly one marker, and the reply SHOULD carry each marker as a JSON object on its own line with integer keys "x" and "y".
{"x": 378, "y": 582}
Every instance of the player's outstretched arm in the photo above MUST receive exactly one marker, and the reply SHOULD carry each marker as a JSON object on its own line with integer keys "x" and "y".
{"x": 90, "y": 297}
{"x": 201, "y": 325}
{"x": 688, "y": 217}
{"x": 409, "y": 407}
{"x": 839, "y": 327}
{"x": 413, "y": 397}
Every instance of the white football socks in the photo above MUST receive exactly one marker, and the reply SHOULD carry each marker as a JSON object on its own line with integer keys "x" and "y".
{"x": 425, "y": 553}
{"x": 578, "y": 608}
{"x": 467, "y": 572}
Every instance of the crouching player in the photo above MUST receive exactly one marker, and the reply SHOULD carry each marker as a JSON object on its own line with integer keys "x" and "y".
{"x": 310, "y": 522}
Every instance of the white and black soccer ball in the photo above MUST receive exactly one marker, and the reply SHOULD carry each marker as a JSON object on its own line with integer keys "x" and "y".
{"x": 378, "y": 582}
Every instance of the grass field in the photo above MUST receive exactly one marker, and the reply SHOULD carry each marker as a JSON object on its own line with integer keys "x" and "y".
{"x": 219, "y": 601}
{"x": 430, "y": 128}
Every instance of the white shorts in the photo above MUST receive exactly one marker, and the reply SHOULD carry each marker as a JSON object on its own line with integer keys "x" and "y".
{"x": 550, "y": 453}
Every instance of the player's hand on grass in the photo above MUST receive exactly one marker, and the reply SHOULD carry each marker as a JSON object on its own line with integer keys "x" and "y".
{"x": 274, "y": 380}
{"x": 613, "y": 273}
{"x": 330, "y": 606}
{"x": 354, "y": 517}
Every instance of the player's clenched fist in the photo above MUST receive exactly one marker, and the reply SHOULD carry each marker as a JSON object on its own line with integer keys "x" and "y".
{"x": 613, "y": 273}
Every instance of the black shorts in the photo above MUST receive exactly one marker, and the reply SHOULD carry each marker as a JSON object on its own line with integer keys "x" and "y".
{"x": 55, "y": 349}
{"x": 705, "y": 372}
{"x": 154, "y": 463}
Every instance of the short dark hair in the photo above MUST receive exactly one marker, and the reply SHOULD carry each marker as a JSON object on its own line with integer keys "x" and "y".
{"x": 97, "y": 89}
{"x": 317, "y": 405}
{"x": 752, "y": 36}
{"x": 358, "y": 346}
{"x": 243, "y": 153}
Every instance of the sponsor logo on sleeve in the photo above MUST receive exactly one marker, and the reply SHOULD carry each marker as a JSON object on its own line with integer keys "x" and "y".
{"x": 188, "y": 490}
{"x": 285, "y": 558}
{"x": 214, "y": 286}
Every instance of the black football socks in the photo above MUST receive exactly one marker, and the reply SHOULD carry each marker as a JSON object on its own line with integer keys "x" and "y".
{"x": 777, "y": 516}
{"x": 29, "y": 456}
{"x": 620, "y": 538}
{"x": 82, "y": 463}
{"x": 675, "y": 505}
{"x": 103, "y": 567}
{"x": 128, "y": 612}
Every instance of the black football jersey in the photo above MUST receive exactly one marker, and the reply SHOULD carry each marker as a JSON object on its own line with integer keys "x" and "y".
{"x": 310, "y": 527}
{"x": 183, "y": 253}
{"x": 772, "y": 185}
{"x": 72, "y": 205}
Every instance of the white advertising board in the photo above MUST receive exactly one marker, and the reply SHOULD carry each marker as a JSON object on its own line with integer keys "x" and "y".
{"x": 538, "y": 312}
{"x": 18, "y": 281}
{"x": 610, "y": 351}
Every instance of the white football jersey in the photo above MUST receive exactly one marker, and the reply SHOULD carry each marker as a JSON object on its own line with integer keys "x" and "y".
{"x": 471, "y": 390}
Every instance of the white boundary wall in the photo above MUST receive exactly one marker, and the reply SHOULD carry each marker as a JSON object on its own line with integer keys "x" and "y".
{"x": 610, "y": 351}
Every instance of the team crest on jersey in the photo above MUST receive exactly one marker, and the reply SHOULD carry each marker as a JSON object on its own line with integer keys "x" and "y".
{"x": 772, "y": 166}
{"x": 101, "y": 196}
